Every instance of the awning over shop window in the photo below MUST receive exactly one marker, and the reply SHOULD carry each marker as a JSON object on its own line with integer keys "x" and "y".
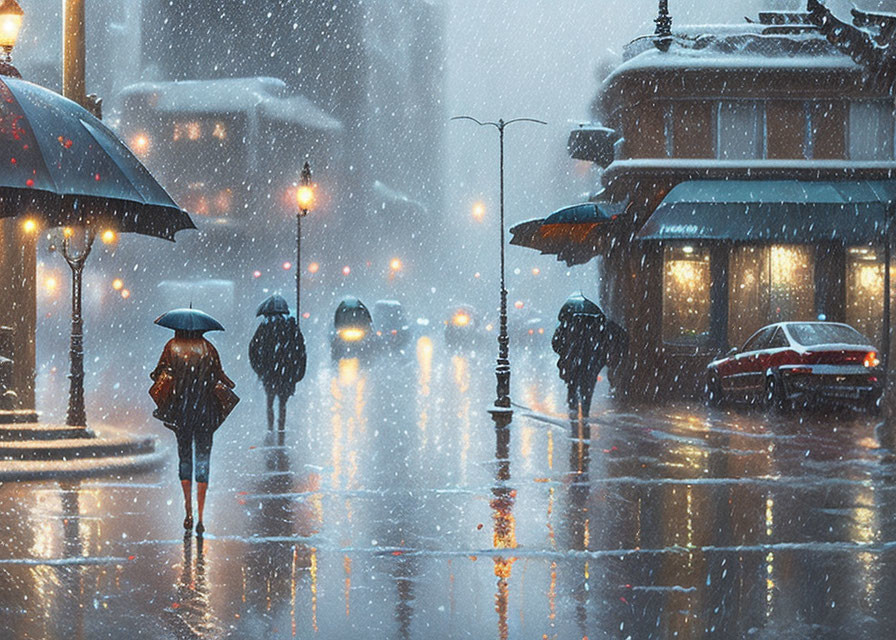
{"x": 785, "y": 211}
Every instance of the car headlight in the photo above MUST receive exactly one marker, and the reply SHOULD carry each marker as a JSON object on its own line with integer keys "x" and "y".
{"x": 352, "y": 334}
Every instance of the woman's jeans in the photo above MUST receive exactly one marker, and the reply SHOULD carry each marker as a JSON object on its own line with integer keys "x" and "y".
{"x": 186, "y": 438}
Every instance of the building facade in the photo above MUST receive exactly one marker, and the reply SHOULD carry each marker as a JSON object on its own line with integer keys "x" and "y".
{"x": 376, "y": 67}
{"x": 754, "y": 164}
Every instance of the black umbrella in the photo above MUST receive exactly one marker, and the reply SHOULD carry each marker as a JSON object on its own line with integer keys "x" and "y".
{"x": 577, "y": 303}
{"x": 59, "y": 162}
{"x": 188, "y": 320}
{"x": 272, "y": 306}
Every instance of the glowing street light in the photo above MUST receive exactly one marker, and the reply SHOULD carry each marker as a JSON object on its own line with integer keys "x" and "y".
{"x": 140, "y": 144}
{"x": 108, "y": 236}
{"x": 395, "y": 264}
{"x": 11, "y": 15}
{"x": 30, "y": 225}
{"x": 305, "y": 197}
{"x": 305, "y": 201}
{"x": 478, "y": 211}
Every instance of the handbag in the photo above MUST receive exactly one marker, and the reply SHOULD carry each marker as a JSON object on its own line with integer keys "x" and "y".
{"x": 227, "y": 399}
{"x": 161, "y": 389}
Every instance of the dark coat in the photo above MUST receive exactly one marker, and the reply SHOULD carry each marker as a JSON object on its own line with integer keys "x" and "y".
{"x": 617, "y": 351}
{"x": 581, "y": 344}
{"x": 195, "y": 366}
{"x": 277, "y": 354}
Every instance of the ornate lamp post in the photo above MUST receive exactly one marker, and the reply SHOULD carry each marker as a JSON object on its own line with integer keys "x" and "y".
{"x": 305, "y": 200}
{"x": 76, "y": 257}
{"x": 501, "y": 412}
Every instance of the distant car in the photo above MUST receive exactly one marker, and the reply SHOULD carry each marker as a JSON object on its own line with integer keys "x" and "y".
{"x": 529, "y": 329}
{"x": 461, "y": 327}
{"x": 393, "y": 331}
{"x": 800, "y": 362}
{"x": 352, "y": 330}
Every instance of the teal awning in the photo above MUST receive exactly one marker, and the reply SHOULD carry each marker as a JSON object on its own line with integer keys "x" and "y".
{"x": 795, "y": 211}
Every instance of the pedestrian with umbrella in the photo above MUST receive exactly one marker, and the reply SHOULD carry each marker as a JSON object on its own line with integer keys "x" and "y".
{"x": 277, "y": 355}
{"x": 581, "y": 344}
{"x": 194, "y": 396}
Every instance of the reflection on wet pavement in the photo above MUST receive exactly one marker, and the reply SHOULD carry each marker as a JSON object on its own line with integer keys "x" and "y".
{"x": 392, "y": 508}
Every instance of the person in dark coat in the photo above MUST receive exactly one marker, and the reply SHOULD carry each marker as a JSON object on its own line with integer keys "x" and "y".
{"x": 277, "y": 355}
{"x": 193, "y": 410}
{"x": 580, "y": 342}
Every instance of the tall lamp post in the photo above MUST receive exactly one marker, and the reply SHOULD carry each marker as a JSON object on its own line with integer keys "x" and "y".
{"x": 305, "y": 200}
{"x": 76, "y": 257}
{"x": 501, "y": 412}
{"x": 74, "y": 47}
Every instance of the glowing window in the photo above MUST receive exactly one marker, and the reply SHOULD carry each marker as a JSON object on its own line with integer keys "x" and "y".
{"x": 769, "y": 284}
{"x": 864, "y": 292}
{"x": 686, "y": 300}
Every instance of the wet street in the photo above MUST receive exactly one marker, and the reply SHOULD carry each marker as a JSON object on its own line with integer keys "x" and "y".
{"x": 393, "y": 509}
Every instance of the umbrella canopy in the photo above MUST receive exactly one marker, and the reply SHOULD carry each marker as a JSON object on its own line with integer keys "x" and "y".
{"x": 60, "y": 163}
{"x": 578, "y": 303}
{"x": 188, "y": 320}
{"x": 572, "y": 225}
{"x": 273, "y": 306}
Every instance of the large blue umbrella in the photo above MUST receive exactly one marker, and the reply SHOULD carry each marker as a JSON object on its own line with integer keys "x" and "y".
{"x": 59, "y": 162}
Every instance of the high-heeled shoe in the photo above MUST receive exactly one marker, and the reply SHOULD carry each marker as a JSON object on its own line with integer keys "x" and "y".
{"x": 188, "y": 523}
{"x": 200, "y": 529}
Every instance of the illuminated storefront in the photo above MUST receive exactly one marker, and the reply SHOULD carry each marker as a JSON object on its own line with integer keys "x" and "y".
{"x": 755, "y": 165}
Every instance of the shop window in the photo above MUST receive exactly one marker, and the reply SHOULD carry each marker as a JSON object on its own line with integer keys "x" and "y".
{"x": 864, "y": 292}
{"x": 871, "y": 130}
{"x": 686, "y": 295}
{"x": 767, "y": 285}
{"x": 741, "y": 129}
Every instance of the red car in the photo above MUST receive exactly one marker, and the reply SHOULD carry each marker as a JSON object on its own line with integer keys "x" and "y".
{"x": 800, "y": 362}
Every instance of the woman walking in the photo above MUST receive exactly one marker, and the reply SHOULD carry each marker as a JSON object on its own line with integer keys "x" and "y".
{"x": 194, "y": 397}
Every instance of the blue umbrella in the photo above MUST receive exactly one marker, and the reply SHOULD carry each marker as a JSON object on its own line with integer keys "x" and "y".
{"x": 188, "y": 320}
{"x": 275, "y": 305}
{"x": 61, "y": 163}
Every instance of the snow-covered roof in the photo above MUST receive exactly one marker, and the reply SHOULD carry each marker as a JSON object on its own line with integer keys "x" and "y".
{"x": 270, "y": 96}
{"x": 739, "y": 46}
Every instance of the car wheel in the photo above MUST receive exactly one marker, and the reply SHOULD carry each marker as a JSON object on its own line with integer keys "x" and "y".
{"x": 775, "y": 401}
{"x": 713, "y": 391}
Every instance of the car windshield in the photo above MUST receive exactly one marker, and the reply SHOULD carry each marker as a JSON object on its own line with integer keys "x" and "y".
{"x": 810, "y": 334}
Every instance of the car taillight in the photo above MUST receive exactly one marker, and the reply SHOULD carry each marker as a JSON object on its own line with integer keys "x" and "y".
{"x": 871, "y": 359}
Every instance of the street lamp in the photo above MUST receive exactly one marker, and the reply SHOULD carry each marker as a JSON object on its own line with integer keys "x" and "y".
{"x": 305, "y": 200}
{"x": 11, "y": 16}
{"x": 76, "y": 246}
{"x": 501, "y": 412}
